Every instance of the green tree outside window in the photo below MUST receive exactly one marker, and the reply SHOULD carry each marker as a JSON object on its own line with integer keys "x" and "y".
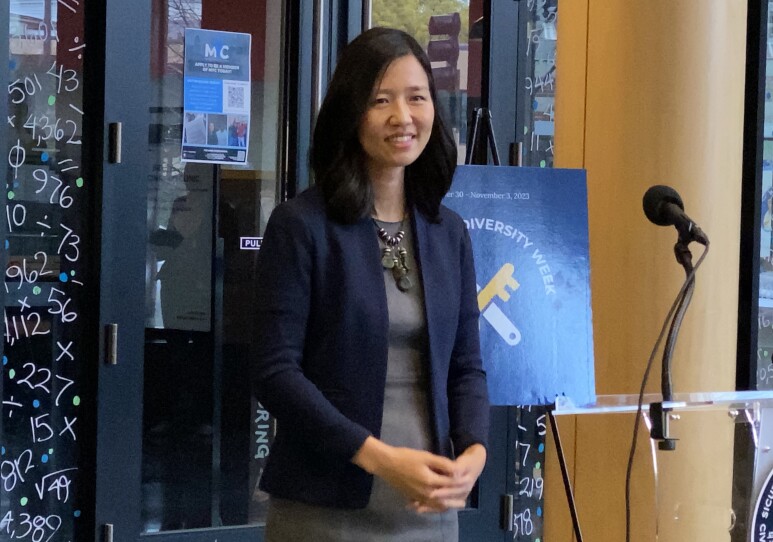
{"x": 413, "y": 16}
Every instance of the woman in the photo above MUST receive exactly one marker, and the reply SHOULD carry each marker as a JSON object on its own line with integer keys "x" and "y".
{"x": 368, "y": 349}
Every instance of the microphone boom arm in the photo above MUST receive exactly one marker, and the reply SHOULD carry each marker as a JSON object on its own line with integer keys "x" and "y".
{"x": 659, "y": 414}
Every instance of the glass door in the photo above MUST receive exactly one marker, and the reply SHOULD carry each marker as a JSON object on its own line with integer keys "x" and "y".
{"x": 204, "y": 441}
{"x": 477, "y": 49}
{"x": 198, "y": 87}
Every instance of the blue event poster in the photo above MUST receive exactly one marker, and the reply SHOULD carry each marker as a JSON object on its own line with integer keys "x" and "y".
{"x": 529, "y": 230}
{"x": 216, "y": 97}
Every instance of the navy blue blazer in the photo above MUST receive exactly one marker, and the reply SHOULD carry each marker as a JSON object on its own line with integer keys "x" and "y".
{"x": 322, "y": 341}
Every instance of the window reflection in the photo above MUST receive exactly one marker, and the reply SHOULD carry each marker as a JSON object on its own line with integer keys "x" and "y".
{"x": 537, "y": 107}
{"x": 453, "y": 45}
{"x": 765, "y": 335}
{"x": 205, "y": 440}
{"x": 47, "y": 397}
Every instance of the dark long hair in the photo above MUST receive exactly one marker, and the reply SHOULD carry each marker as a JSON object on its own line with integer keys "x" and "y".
{"x": 337, "y": 158}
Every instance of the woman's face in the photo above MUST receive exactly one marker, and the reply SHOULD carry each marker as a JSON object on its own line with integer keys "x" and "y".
{"x": 398, "y": 121}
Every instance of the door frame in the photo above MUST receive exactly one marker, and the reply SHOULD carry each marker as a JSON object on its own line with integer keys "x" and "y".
{"x": 124, "y": 98}
{"x": 124, "y": 94}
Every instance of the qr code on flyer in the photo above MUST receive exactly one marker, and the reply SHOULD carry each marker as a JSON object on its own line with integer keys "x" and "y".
{"x": 235, "y": 97}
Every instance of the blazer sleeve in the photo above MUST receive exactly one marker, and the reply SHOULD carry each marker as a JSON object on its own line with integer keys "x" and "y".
{"x": 467, "y": 389}
{"x": 283, "y": 300}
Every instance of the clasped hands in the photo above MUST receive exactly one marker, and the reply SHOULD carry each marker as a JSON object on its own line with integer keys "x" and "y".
{"x": 430, "y": 483}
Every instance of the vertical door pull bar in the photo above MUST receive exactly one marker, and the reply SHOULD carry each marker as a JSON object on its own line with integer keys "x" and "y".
{"x": 506, "y": 519}
{"x": 316, "y": 60}
{"x": 367, "y": 14}
{"x": 107, "y": 532}
{"x": 114, "y": 142}
{"x": 111, "y": 344}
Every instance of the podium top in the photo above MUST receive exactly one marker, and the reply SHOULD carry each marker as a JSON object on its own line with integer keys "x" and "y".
{"x": 718, "y": 400}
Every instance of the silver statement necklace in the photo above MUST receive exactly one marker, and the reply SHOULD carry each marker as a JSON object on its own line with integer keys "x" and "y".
{"x": 394, "y": 256}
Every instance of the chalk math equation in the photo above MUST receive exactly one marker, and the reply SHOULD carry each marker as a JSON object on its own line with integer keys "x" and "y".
{"x": 48, "y": 219}
{"x": 539, "y": 55}
{"x": 527, "y": 486}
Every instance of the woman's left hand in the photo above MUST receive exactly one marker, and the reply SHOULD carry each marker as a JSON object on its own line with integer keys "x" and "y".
{"x": 468, "y": 467}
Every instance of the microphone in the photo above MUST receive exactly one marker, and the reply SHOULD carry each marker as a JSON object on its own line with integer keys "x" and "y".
{"x": 664, "y": 207}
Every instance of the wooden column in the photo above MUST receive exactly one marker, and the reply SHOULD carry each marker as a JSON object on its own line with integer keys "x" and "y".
{"x": 651, "y": 92}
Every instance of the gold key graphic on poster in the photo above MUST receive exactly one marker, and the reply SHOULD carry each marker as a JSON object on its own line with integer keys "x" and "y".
{"x": 498, "y": 287}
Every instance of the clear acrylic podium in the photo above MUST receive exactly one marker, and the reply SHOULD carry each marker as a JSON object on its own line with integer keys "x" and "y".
{"x": 708, "y": 486}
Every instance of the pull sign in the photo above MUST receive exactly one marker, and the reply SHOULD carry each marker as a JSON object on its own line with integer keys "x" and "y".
{"x": 114, "y": 142}
{"x": 107, "y": 532}
{"x": 111, "y": 344}
{"x": 250, "y": 243}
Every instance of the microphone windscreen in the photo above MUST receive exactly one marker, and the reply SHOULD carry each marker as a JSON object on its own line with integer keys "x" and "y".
{"x": 653, "y": 202}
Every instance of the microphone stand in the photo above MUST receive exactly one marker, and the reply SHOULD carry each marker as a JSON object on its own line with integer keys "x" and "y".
{"x": 658, "y": 413}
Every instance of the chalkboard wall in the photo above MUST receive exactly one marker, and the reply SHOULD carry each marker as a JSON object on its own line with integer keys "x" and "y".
{"x": 48, "y": 217}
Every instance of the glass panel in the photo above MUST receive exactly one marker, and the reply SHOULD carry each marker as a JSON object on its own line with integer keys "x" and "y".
{"x": 536, "y": 108}
{"x": 46, "y": 386}
{"x": 765, "y": 337}
{"x": 204, "y": 439}
{"x": 451, "y": 32}
{"x": 610, "y": 404}
{"x": 704, "y": 425}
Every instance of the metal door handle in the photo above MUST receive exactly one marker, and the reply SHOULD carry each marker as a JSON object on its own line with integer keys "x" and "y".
{"x": 114, "y": 142}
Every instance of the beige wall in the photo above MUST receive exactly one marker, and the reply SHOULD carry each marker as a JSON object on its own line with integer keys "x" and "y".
{"x": 651, "y": 92}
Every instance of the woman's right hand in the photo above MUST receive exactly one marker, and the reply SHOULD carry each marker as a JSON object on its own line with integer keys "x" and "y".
{"x": 414, "y": 473}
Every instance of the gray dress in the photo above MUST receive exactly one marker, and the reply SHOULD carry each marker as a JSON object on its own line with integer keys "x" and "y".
{"x": 405, "y": 423}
